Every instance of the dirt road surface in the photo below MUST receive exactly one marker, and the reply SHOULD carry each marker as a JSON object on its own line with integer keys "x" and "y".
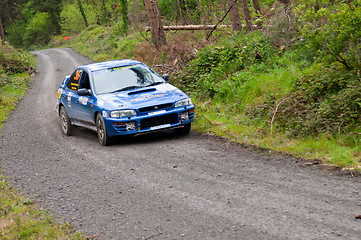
{"x": 164, "y": 186}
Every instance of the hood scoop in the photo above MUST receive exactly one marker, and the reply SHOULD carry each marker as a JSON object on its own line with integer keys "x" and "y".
{"x": 142, "y": 91}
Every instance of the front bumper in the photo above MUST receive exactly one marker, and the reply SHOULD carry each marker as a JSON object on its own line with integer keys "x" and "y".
{"x": 151, "y": 121}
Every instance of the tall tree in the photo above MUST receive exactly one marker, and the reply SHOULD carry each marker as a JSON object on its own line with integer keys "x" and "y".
{"x": 247, "y": 15}
{"x": 155, "y": 21}
{"x": 124, "y": 12}
{"x": 234, "y": 13}
{"x": 81, "y": 9}
{"x": 181, "y": 15}
{"x": 2, "y": 33}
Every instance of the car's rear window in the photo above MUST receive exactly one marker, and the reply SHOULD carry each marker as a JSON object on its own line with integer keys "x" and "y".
{"x": 123, "y": 78}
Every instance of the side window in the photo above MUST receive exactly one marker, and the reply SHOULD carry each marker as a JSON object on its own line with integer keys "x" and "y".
{"x": 84, "y": 81}
{"x": 73, "y": 82}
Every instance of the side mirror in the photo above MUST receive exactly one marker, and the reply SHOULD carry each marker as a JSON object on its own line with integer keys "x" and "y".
{"x": 83, "y": 92}
{"x": 166, "y": 77}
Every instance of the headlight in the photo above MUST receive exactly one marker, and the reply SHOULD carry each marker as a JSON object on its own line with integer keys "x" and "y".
{"x": 184, "y": 102}
{"x": 122, "y": 113}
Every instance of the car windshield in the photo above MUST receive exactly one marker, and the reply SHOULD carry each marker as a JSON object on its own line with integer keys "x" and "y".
{"x": 124, "y": 78}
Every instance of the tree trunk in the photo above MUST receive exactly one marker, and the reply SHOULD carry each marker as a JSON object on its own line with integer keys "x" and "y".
{"x": 247, "y": 15}
{"x": 155, "y": 21}
{"x": 81, "y": 9}
{"x": 234, "y": 13}
{"x": 256, "y": 6}
{"x": 182, "y": 19}
{"x": 2, "y": 33}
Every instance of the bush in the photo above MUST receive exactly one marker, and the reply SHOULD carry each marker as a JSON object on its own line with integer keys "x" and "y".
{"x": 327, "y": 100}
{"x": 215, "y": 64}
{"x": 332, "y": 31}
{"x": 14, "y": 61}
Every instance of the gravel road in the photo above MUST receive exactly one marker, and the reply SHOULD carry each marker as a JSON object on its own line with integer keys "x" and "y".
{"x": 163, "y": 186}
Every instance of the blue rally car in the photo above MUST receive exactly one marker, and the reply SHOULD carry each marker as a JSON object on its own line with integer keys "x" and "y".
{"x": 122, "y": 97}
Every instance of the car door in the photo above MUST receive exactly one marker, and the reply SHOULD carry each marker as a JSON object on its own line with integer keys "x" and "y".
{"x": 83, "y": 105}
{"x": 71, "y": 95}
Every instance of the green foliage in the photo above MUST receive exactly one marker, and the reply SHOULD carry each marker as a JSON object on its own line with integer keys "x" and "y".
{"x": 38, "y": 30}
{"x": 327, "y": 100}
{"x": 71, "y": 17}
{"x": 332, "y": 31}
{"x": 169, "y": 9}
{"x": 266, "y": 2}
{"x": 100, "y": 43}
{"x": 214, "y": 65}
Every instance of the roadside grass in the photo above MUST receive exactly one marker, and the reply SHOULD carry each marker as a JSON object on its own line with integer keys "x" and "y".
{"x": 20, "y": 218}
{"x": 11, "y": 93}
{"x": 217, "y": 119}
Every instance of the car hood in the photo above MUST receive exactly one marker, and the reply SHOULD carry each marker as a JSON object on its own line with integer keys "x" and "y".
{"x": 141, "y": 97}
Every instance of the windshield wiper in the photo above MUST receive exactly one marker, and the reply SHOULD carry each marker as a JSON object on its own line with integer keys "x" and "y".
{"x": 155, "y": 83}
{"x": 127, "y": 88}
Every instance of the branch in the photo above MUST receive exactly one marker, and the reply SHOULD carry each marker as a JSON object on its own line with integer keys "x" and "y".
{"x": 206, "y": 119}
{"x": 274, "y": 114}
{"x": 146, "y": 39}
{"x": 215, "y": 26}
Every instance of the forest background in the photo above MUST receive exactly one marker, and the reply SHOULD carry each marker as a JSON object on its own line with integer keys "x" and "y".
{"x": 283, "y": 76}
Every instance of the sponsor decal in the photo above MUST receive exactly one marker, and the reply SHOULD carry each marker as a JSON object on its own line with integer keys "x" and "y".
{"x": 100, "y": 102}
{"x": 58, "y": 94}
{"x": 157, "y": 112}
{"x": 125, "y": 67}
{"x": 105, "y": 114}
{"x": 69, "y": 99}
{"x": 148, "y": 97}
{"x": 160, "y": 126}
{"x": 83, "y": 100}
{"x": 77, "y": 75}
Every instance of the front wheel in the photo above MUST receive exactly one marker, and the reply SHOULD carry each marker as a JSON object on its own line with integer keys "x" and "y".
{"x": 184, "y": 130}
{"x": 103, "y": 137}
{"x": 65, "y": 121}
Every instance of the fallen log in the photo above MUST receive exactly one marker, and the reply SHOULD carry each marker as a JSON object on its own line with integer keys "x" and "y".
{"x": 190, "y": 27}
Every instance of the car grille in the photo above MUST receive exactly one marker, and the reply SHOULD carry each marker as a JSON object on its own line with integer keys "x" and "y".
{"x": 156, "y": 107}
{"x": 160, "y": 120}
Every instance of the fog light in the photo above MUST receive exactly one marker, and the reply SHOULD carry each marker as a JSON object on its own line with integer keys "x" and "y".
{"x": 130, "y": 126}
{"x": 184, "y": 116}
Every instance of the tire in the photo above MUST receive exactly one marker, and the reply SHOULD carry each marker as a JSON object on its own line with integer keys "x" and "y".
{"x": 65, "y": 123}
{"x": 103, "y": 137}
{"x": 184, "y": 130}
